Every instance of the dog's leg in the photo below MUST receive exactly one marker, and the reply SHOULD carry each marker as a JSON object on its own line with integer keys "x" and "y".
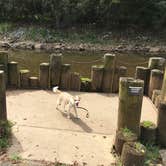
{"x": 64, "y": 104}
{"x": 58, "y": 104}
{"x": 68, "y": 112}
{"x": 75, "y": 109}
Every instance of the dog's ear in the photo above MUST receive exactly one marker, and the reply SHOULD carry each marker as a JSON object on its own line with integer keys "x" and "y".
{"x": 77, "y": 98}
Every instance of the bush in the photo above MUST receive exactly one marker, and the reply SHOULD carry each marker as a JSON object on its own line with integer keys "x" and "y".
{"x": 144, "y": 13}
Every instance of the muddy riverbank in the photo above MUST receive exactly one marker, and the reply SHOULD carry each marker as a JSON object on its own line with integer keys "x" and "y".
{"x": 61, "y": 46}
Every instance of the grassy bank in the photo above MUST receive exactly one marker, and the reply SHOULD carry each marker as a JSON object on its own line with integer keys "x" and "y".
{"x": 86, "y": 34}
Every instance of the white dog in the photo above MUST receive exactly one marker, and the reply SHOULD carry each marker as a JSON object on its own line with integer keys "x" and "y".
{"x": 65, "y": 99}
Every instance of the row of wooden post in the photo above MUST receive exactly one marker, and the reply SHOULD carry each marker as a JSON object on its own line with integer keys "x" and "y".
{"x": 148, "y": 81}
{"x": 151, "y": 75}
{"x": 104, "y": 78}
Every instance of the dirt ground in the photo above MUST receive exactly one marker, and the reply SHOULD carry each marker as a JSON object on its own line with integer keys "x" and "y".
{"x": 43, "y": 133}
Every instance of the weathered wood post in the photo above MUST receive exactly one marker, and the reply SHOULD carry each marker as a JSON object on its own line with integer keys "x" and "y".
{"x": 130, "y": 104}
{"x": 133, "y": 154}
{"x": 13, "y": 74}
{"x": 34, "y": 82}
{"x": 109, "y": 69}
{"x": 156, "y": 80}
{"x": 2, "y": 67}
{"x": 65, "y": 77}
{"x": 44, "y": 75}
{"x": 4, "y": 61}
{"x": 3, "y": 112}
{"x": 24, "y": 78}
{"x": 75, "y": 82}
{"x": 119, "y": 72}
{"x": 55, "y": 69}
{"x": 123, "y": 136}
{"x": 155, "y": 94}
{"x": 97, "y": 77}
{"x": 163, "y": 90}
{"x": 143, "y": 73}
{"x": 161, "y": 124}
{"x": 156, "y": 63}
{"x": 148, "y": 132}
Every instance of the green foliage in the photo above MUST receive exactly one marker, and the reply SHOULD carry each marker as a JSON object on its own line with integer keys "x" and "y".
{"x": 5, "y": 132}
{"x": 140, "y": 147}
{"x": 5, "y": 27}
{"x": 15, "y": 158}
{"x": 127, "y": 132}
{"x": 4, "y": 143}
{"x": 66, "y": 13}
{"x": 148, "y": 124}
{"x": 152, "y": 154}
{"x": 84, "y": 79}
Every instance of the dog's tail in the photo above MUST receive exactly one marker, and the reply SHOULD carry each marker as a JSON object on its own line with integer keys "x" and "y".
{"x": 56, "y": 90}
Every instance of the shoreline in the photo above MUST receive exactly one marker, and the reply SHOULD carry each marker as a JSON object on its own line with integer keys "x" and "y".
{"x": 66, "y": 46}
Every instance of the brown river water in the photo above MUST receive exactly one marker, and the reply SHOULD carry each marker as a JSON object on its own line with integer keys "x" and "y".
{"x": 31, "y": 60}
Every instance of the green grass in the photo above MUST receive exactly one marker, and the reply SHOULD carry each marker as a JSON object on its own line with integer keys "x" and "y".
{"x": 5, "y": 27}
{"x": 4, "y": 143}
{"x": 84, "y": 79}
{"x": 140, "y": 147}
{"x": 127, "y": 132}
{"x": 5, "y": 133}
{"x": 15, "y": 157}
{"x": 46, "y": 34}
{"x": 148, "y": 124}
{"x": 152, "y": 154}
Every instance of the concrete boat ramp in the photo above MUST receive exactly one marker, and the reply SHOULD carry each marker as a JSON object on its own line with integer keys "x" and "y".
{"x": 43, "y": 133}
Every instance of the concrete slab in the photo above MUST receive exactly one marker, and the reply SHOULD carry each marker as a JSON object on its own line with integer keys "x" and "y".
{"x": 42, "y": 132}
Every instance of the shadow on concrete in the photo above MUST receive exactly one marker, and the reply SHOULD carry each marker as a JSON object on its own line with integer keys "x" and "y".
{"x": 77, "y": 121}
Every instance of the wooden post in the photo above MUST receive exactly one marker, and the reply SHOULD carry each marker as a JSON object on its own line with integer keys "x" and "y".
{"x": 133, "y": 154}
{"x": 130, "y": 104}
{"x": 86, "y": 84}
{"x": 148, "y": 132}
{"x": 156, "y": 80}
{"x": 34, "y": 82}
{"x": 123, "y": 137}
{"x": 75, "y": 82}
{"x": 156, "y": 63}
{"x": 155, "y": 94}
{"x": 13, "y": 74}
{"x": 44, "y": 75}
{"x": 2, "y": 67}
{"x": 109, "y": 69}
{"x": 119, "y": 72}
{"x": 55, "y": 69}
{"x": 24, "y": 79}
{"x": 4, "y": 61}
{"x": 3, "y": 112}
{"x": 163, "y": 90}
{"x": 143, "y": 73}
{"x": 161, "y": 124}
{"x": 97, "y": 77}
{"x": 65, "y": 77}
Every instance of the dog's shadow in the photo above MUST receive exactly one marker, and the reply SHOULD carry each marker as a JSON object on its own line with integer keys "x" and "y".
{"x": 77, "y": 121}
